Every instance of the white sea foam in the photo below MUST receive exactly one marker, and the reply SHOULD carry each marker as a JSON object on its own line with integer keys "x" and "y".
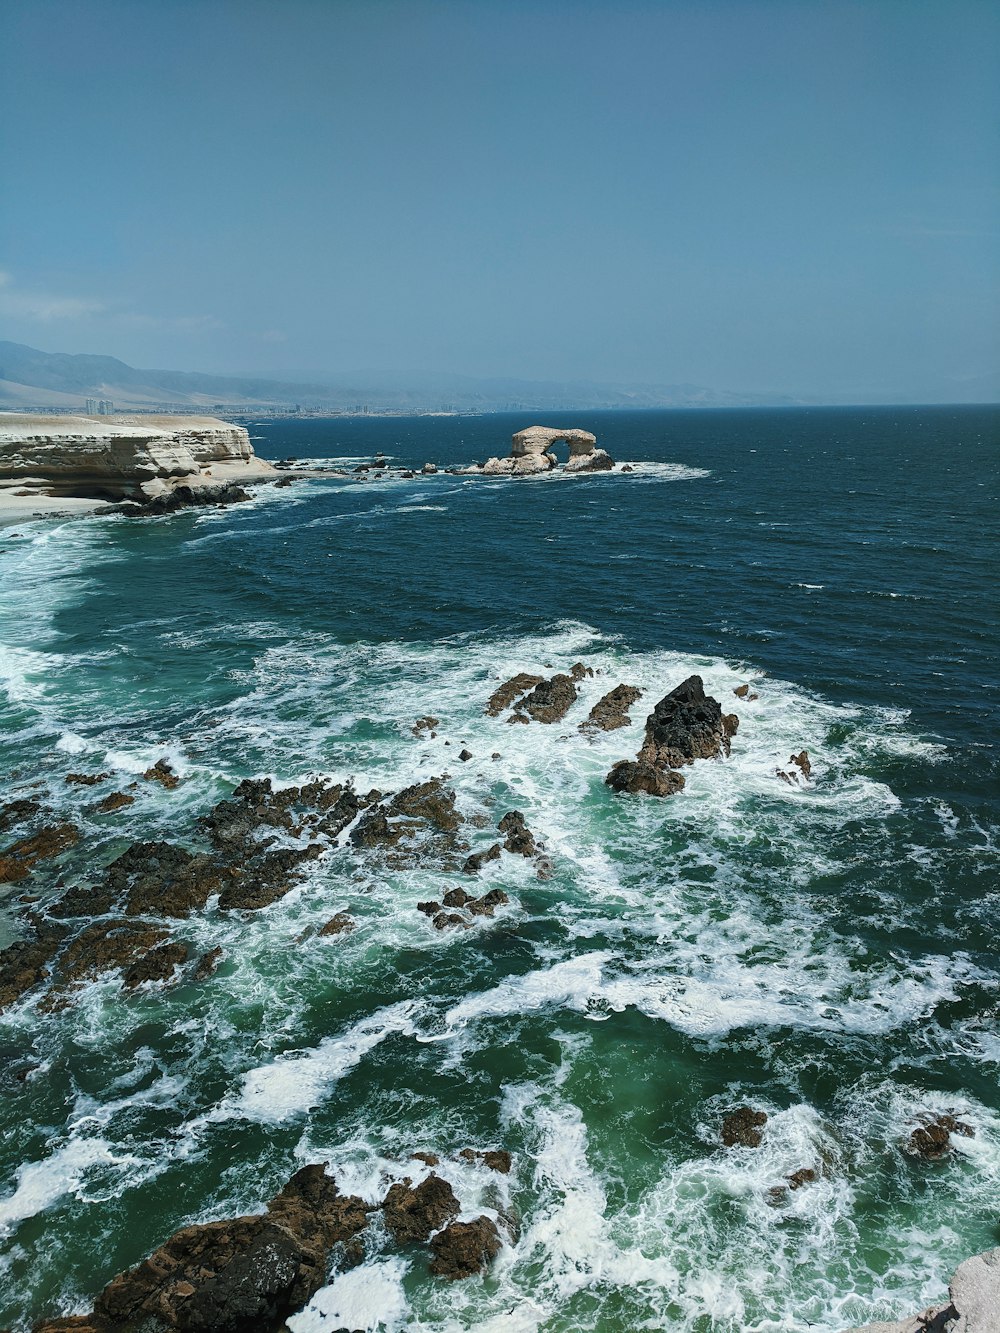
{"x": 370, "y": 1297}
{"x": 41, "y": 1184}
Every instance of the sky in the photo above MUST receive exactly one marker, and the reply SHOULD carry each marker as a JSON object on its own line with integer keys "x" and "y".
{"x": 773, "y": 196}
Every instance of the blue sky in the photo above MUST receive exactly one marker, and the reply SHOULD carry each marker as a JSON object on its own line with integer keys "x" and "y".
{"x": 798, "y": 197}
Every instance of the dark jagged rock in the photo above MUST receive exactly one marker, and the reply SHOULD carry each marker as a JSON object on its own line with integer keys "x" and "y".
{"x": 413, "y": 1212}
{"x": 744, "y": 692}
{"x": 430, "y": 800}
{"x": 18, "y": 860}
{"x": 577, "y": 671}
{"x": 184, "y": 497}
{"x": 518, "y": 837}
{"x": 465, "y": 755}
{"x": 443, "y": 920}
{"x": 464, "y": 1249}
{"x": 512, "y": 689}
{"x": 428, "y": 1158}
{"x": 687, "y": 725}
{"x": 639, "y": 776}
{"x": 425, "y": 724}
{"x": 932, "y": 1139}
{"x": 611, "y": 711}
{"x": 341, "y": 924}
{"x": 86, "y": 779}
{"x": 488, "y": 903}
{"x": 475, "y": 863}
{"x": 17, "y": 812}
{"x": 241, "y": 1275}
{"x": 743, "y": 1128}
{"x": 550, "y": 700}
{"x": 266, "y": 879}
{"x": 804, "y": 1176}
{"x": 374, "y": 830}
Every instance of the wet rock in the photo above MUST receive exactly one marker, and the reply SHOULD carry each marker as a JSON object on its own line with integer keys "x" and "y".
{"x": 17, "y": 812}
{"x": 429, "y": 469}
{"x": 413, "y": 1212}
{"x": 801, "y": 760}
{"x": 550, "y": 700}
{"x": 430, "y": 1158}
{"x": 488, "y": 903}
{"x": 445, "y": 919}
{"x": 518, "y": 837}
{"x": 374, "y": 830}
{"x": 639, "y": 776}
{"x": 118, "y": 800}
{"x": 207, "y": 964}
{"x": 932, "y": 1139}
{"x": 473, "y": 864}
{"x": 86, "y": 779}
{"x": 425, "y": 724}
{"x": 162, "y": 773}
{"x": 743, "y": 1128}
{"x": 158, "y": 964}
{"x": 578, "y": 671}
{"x": 687, "y": 724}
{"x": 25, "y": 964}
{"x": 611, "y": 711}
{"x": 242, "y": 1275}
{"x": 429, "y": 908}
{"x": 510, "y": 690}
{"x": 497, "y": 1159}
{"x": 266, "y": 879}
{"x": 341, "y": 924}
{"x": 545, "y": 867}
{"x": 464, "y": 1249}
{"x": 804, "y": 1176}
{"x": 430, "y": 800}
{"x": 18, "y": 860}
{"x": 465, "y": 755}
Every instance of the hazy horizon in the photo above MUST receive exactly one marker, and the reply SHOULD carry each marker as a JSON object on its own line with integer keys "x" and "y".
{"x": 766, "y": 198}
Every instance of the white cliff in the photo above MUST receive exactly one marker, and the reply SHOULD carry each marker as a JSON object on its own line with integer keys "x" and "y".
{"x": 121, "y": 457}
{"x": 974, "y": 1305}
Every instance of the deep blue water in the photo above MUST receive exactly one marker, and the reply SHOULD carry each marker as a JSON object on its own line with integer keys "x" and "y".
{"x": 828, "y": 952}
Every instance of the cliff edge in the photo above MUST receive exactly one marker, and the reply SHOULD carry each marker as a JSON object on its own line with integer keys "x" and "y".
{"x": 55, "y": 458}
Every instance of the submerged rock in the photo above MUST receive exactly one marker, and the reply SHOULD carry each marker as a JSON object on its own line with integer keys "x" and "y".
{"x": 473, "y": 864}
{"x": 743, "y": 1128}
{"x": 932, "y": 1139}
{"x": 19, "y": 859}
{"x": 18, "y": 812}
{"x": 162, "y": 773}
{"x": 341, "y": 924}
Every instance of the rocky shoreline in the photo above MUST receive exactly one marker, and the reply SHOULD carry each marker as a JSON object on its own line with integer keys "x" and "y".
{"x": 246, "y": 852}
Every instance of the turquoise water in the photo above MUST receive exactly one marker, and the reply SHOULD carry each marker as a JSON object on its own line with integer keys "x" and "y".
{"x": 826, "y": 953}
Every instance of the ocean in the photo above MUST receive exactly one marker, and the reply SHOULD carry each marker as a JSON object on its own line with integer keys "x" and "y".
{"x": 825, "y": 952}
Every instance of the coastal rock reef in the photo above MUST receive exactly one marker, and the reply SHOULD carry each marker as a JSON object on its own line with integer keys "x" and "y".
{"x": 531, "y": 453}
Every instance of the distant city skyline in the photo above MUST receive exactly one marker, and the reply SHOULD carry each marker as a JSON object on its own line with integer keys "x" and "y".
{"x": 759, "y": 196}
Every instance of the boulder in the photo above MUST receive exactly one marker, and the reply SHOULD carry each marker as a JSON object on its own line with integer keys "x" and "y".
{"x": 162, "y": 773}
{"x": 518, "y": 837}
{"x": 641, "y": 777}
{"x": 931, "y": 1140}
{"x": 18, "y": 860}
{"x": 475, "y": 863}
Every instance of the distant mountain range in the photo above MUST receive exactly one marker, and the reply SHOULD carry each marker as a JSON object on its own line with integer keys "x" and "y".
{"x": 46, "y": 380}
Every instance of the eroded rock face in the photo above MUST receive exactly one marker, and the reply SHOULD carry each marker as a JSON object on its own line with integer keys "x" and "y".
{"x": 638, "y": 776}
{"x": 974, "y": 1305}
{"x": 122, "y": 458}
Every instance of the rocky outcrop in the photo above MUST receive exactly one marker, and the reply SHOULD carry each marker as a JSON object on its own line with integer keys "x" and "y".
{"x": 531, "y": 453}
{"x": 413, "y": 1212}
{"x": 611, "y": 710}
{"x": 743, "y": 1128}
{"x": 687, "y": 724}
{"x": 17, "y": 861}
{"x": 931, "y": 1140}
{"x": 549, "y": 701}
{"x": 235, "y": 1275}
{"x": 464, "y": 1249}
{"x": 973, "y": 1305}
{"x": 141, "y": 458}
{"x": 512, "y": 689}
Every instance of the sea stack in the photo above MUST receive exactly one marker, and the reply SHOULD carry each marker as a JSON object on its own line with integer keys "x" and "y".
{"x": 531, "y": 452}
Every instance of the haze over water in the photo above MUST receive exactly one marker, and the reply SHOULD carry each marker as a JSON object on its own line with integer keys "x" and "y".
{"x": 825, "y": 952}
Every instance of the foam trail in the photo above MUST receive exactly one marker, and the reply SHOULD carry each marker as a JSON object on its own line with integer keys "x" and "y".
{"x": 41, "y": 1184}
{"x": 369, "y": 1297}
